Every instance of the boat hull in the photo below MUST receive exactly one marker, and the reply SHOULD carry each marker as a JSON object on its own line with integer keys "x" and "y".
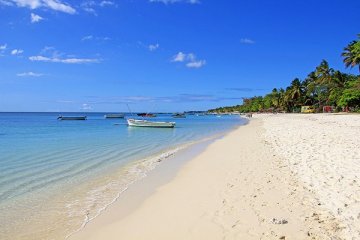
{"x": 107, "y": 116}
{"x": 179, "y": 115}
{"x": 72, "y": 118}
{"x": 145, "y": 123}
{"x": 149, "y": 115}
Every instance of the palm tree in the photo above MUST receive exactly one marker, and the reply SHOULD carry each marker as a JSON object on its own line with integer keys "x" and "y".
{"x": 325, "y": 78}
{"x": 295, "y": 92}
{"x": 351, "y": 54}
{"x": 275, "y": 98}
{"x": 324, "y": 73}
{"x": 281, "y": 99}
{"x": 309, "y": 86}
{"x": 339, "y": 79}
{"x": 296, "y": 87}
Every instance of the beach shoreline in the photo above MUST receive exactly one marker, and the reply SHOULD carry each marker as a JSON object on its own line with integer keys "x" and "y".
{"x": 238, "y": 187}
{"x": 156, "y": 170}
{"x": 113, "y": 162}
{"x": 137, "y": 191}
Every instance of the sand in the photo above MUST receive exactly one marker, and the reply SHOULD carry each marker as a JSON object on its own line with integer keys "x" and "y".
{"x": 279, "y": 177}
{"x": 323, "y": 151}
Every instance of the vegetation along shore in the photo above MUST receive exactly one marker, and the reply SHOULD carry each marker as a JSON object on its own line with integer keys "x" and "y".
{"x": 324, "y": 86}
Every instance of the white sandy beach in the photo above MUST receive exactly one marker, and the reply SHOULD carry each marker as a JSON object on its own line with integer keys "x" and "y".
{"x": 323, "y": 151}
{"x": 281, "y": 176}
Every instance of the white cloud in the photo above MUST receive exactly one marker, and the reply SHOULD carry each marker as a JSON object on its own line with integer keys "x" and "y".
{"x": 56, "y": 5}
{"x": 29, "y": 74}
{"x": 196, "y": 64}
{"x": 94, "y": 38}
{"x": 90, "y": 5}
{"x": 106, "y": 3}
{"x": 50, "y": 51}
{"x": 190, "y": 59}
{"x": 3, "y": 47}
{"x": 247, "y": 41}
{"x": 64, "y": 60}
{"x": 50, "y": 54}
{"x": 89, "y": 37}
{"x": 179, "y": 57}
{"x": 86, "y": 106}
{"x": 27, "y": 3}
{"x": 5, "y": 2}
{"x": 35, "y": 18}
{"x": 59, "y": 6}
{"x": 153, "y": 47}
{"x": 65, "y": 101}
{"x": 182, "y": 57}
{"x": 17, "y": 51}
{"x": 176, "y": 1}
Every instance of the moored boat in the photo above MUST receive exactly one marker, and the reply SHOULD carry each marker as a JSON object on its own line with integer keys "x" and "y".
{"x": 179, "y": 115}
{"x": 145, "y": 123}
{"x": 114, "y": 115}
{"x": 146, "y": 115}
{"x": 72, "y": 118}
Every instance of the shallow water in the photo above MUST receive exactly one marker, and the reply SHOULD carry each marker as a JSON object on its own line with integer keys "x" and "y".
{"x": 55, "y": 176}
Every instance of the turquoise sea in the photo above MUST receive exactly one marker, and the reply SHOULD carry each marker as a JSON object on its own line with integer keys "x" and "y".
{"x": 55, "y": 176}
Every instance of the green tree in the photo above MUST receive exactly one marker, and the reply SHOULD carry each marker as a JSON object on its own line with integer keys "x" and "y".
{"x": 268, "y": 101}
{"x": 337, "y": 87}
{"x": 276, "y": 98}
{"x": 324, "y": 73}
{"x": 309, "y": 86}
{"x": 351, "y": 54}
{"x": 293, "y": 95}
{"x": 282, "y": 99}
{"x": 351, "y": 95}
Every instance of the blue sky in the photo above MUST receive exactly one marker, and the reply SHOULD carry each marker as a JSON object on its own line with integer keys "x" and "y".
{"x": 163, "y": 55}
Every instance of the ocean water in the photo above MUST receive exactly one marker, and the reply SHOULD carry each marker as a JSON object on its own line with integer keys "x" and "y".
{"x": 55, "y": 176}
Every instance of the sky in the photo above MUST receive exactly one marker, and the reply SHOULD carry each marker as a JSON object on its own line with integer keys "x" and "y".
{"x": 163, "y": 55}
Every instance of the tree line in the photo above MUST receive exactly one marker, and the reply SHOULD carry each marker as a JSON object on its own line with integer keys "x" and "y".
{"x": 323, "y": 86}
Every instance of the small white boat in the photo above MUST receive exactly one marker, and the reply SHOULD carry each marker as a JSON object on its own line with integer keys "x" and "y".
{"x": 114, "y": 115}
{"x": 145, "y": 123}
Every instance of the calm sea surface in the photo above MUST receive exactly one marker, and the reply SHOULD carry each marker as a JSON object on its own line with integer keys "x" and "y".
{"x": 55, "y": 176}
